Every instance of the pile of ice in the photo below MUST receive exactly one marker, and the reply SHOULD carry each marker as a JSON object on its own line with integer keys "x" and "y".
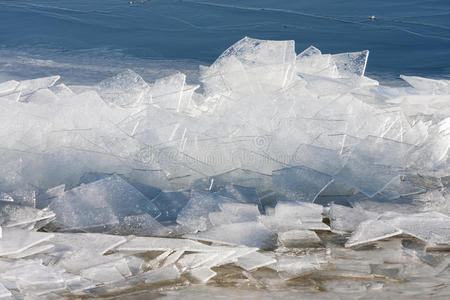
{"x": 129, "y": 183}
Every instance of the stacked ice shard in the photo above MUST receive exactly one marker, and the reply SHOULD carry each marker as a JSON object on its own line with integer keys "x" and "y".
{"x": 301, "y": 155}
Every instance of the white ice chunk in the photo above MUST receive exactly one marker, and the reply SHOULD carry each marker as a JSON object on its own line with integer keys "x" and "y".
{"x": 370, "y": 231}
{"x": 12, "y": 214}
{"x": 299, "y": 239}
{"x": 351, "y": 63}
{"x": 234, "y": 213}
{"x": 28, "y": 87}
{"x": 125, "y": 89}
{"x": 100, "y": 203}
{"x": 202, "y": 275}
{"x": 299, "y": 184}
{"x": 254, "y": 261}
{"x": 163, "y": 274}
{"x": 144, "y": 244}
{"x": 17, "y": 240}
{"x": 250, "y": 234}
{"x": 195, "y": 214}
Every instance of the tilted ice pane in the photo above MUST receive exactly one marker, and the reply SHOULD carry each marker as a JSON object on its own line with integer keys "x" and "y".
{"x": 202, "y": 275}
{"x": 426, "y": 84}
{"x": 172, "y": 92}
{"x": 299, "y": 183}
{"x": 370, "y": 231}
{"x": 351, "y": 63}
{"x": 195, "y": 214}
{"x": 269, "y": 64}
{"x": 144, "y": 244}
{"x": 12, "y": 214}
{"x": 250, "y": 234}
{"x": 234, "y": 213}
{"x": 299, "y": 239}
{"x": 27, "y": 87}
{"x": 16, "y": 240}
{"x": 254, "y": 261}
{"x": 100, "y": 203}
{"x": 312, "y": 61}
{"x": 373, "y": 164}
{"x": 170, "y": 204}
{"x": 125, "y": 89}
{"x": 143, "y": 225}
{"x": 347, "y": 219}
{"x": 167, "y": 273}
{"x": 320, "y": 159}
{"x": 431, "y": 227}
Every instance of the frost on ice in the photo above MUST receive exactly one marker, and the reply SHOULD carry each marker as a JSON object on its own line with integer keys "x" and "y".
{"x": 132, "y": 183}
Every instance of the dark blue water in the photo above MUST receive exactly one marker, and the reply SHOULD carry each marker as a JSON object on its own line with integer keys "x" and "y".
{"x": 407, "y": 36}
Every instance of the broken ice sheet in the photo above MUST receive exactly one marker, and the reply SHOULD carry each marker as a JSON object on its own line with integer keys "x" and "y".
{"x": 370, "y": 231}
{"x": 295, "y": 216}
{"x": 374, "y": 164}
{"x": 167, "y": 273}
{"x": 27, "y": 87}
{"x": 299, "y": 184}
{"x": 299, "y": 239}
{"x": 172, "y": 92}
{"x": 250, "y": 66}
{"x": 100, "y": 203}
{"x": 170, "y": 204}
{"x": 202, "y": 274}
{"x": 12, "y": 214}
{"x": 251, "y": 234}
{"x": 351, "y": 63}
{"x": 126, "y": 89}
{"x": 14, "y": 240}
{"x": 195, "y": 214}
{"x": 347, "y": 219}
{"x": 254, "y": 261}
{"x": 234, "y": 213}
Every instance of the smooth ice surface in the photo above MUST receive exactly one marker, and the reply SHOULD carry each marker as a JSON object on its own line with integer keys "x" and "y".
{"x": 254, "y": 260}
{"x": 14, "y": 241}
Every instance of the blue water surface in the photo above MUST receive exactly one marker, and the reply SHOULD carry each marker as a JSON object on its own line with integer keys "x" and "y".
{"x": 407, "y": 36}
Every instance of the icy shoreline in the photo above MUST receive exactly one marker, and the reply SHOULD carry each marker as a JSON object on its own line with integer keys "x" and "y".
{"x": 277, "y": 169}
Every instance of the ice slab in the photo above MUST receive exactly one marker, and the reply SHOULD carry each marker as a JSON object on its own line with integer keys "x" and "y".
{"x": 299, "y": 184}
{"x": 351, "y": 63}
{"x": 170, "y": 204}
{"x": 12, "y": 214}
{"x": 251, "y": 234}
{"x": 100, "y": 203}
{"x": 299, "y": 239}
{"x": 234, "y": 213}
{"x": 125, "y": 89}
{"x": 347, "y": 219}
{"x": 27, "y": 87}
{"x": 374, "y": 164}
{"x": 144, "y": 244}
{"x": 370, "y": 231}
{"x": 195, "y": 214}
{"x": 254, "y": 261}
{"x": 250, "y": 66}
{"x": 17, "y": 240}
{"x": 202, "y": 275}
{"x": 163, "y": 274}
